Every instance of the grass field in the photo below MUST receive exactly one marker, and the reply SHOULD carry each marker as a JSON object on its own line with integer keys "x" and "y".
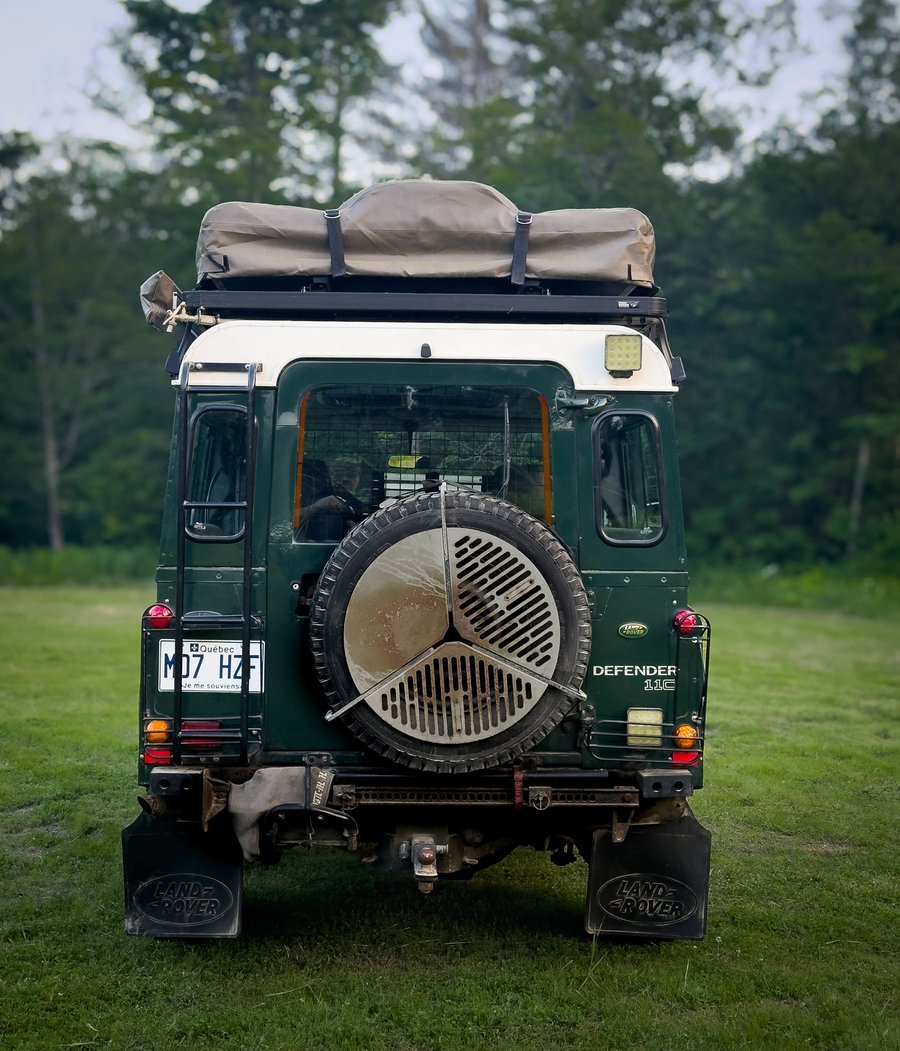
{"x": 804, "y": 941}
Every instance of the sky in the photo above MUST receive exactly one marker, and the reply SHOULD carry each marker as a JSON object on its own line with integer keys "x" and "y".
{"x": 51, "y": 50}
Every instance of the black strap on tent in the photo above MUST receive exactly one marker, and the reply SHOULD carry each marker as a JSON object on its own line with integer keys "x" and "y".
{"x": 520, "y": 248}
{"x": 335, "y": 242}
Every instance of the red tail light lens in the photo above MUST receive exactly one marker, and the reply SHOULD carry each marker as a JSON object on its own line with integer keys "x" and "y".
{"x": 201, "y": 742}
{"x": 685, "y": 758}
{"x": 159, "y": 617}
{"x": 685, "y": 621}
{"x": 157, "y": 757}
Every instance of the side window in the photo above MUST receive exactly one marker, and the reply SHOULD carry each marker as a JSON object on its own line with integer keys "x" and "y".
{"x": 629, "y": 498}
{"x": 216, "y": 473}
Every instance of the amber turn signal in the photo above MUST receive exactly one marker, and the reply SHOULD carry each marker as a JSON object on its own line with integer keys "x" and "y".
{"x": 157, "y": 731}
{"x": 686, "y": 736}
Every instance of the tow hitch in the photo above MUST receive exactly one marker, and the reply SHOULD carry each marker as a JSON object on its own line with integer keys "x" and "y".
{"x": 423, "y": 852}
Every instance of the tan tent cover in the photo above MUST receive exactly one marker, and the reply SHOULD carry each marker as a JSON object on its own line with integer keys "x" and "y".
{"x": 426, "y": 228}
{"x": 158, "y": 298}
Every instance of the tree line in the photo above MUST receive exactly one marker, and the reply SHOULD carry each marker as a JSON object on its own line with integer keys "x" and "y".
{"x": 783, "y": 278}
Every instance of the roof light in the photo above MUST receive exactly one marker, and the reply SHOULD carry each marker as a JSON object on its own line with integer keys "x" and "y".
{"x": 685, "y": 621}
{"x": 623, "y": 354}
{"x": 159, "y": 617}
{"x": 644, "y": 727}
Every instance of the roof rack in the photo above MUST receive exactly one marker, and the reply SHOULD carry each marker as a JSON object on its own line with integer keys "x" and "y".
{"x": 315, "y": 303}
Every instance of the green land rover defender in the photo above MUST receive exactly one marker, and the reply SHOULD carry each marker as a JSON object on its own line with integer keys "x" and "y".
{"x": 422, "y": 592}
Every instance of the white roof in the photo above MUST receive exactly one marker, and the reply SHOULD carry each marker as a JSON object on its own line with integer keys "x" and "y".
{"x": 579, "y": 349}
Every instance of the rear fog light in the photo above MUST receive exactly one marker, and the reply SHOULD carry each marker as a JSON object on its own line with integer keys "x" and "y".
{"x": 197, "y": 725}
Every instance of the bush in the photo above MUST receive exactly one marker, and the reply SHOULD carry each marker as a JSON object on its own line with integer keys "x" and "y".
{"x": 39, "y": 566}
{"x": 840, "y": 590}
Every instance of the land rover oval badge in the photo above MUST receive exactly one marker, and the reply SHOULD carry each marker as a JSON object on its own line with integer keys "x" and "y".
{"x": 633, "y": 629}
{"x": 647, "y": 899}
{"x": 183, "y": 899}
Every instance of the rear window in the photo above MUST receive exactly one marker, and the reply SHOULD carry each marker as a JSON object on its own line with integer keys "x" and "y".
{"x": 361, "y": 446}
{"x": 629, "y": 499}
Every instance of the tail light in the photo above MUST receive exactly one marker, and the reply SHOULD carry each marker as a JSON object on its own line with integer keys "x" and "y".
{"x": 686, "y": 740}
{"x": 685, "y": 621}
{"x": 157, "y": 756}
{"x": 157, "y": 732}
{"x": 159, "y": 617}
{"x": 197, "y": 725}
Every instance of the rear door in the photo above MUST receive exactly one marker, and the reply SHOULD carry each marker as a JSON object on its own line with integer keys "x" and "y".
{"x": 352, "y": 435}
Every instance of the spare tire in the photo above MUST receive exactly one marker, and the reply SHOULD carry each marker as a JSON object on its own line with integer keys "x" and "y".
{"x": 450, "y": 631}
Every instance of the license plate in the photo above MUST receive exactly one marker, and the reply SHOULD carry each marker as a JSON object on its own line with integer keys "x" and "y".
{"x": 210, "y": 664}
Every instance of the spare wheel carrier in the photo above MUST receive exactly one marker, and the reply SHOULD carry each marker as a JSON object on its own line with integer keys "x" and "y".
{"x": 450, "y": 631}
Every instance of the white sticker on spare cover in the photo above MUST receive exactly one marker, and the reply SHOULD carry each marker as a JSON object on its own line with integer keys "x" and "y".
{"x": 210, "y": 664}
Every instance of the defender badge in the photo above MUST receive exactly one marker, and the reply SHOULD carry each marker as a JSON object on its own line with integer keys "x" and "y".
{"x": 633, "y": 630}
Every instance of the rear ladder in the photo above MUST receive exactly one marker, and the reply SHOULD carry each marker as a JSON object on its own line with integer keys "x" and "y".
{"x": 191, "y": 622}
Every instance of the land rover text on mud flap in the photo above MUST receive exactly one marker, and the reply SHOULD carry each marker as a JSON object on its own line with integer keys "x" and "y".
{"x": 422, "y": 592}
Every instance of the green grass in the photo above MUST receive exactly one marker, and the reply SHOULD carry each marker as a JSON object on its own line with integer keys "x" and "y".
{"x": 803, "y": 947}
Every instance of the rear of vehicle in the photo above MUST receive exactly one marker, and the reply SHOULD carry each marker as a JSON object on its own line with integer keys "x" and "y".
{"x": 422, "y": 597}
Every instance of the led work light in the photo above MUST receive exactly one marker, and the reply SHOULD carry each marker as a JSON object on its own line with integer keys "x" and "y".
{"x": 623, "y": 354}
{"x": 645, "y": 727}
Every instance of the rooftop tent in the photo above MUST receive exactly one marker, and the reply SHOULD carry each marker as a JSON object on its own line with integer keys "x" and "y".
{"x": 426, "y": 228}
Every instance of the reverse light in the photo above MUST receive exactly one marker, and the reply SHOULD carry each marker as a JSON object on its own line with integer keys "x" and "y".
{"x": 159, "y": 617}
{"x": 623, "y": 354}
{"x": 685, "y": 621}
{"x": 644, "y": 727}
{"x": 157, "y": 731}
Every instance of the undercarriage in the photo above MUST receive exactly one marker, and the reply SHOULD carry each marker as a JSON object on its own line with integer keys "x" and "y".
{"x": 648, "y": 857}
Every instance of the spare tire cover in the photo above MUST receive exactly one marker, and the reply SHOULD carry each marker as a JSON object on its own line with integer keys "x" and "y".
{"x": 459, "y": 626}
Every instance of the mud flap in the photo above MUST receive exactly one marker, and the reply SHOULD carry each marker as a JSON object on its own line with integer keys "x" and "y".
{"x": 655, "y": 884}
{"x": 182, "y": 882}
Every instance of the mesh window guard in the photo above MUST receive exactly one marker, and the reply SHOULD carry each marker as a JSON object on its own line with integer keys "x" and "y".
{"x": 360, "y": 446}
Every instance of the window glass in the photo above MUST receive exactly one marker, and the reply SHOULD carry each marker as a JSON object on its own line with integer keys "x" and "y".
{"x": 217, "y": 473}
{"x": 363, "y": 445}
{"x": 628, "y": 490}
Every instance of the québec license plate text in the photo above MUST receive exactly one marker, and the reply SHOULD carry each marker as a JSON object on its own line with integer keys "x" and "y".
{"x": 210, "y": 664}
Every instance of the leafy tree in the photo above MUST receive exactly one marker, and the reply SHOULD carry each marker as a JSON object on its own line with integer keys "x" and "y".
{"x": 586, "y": 117}
{"x": 72, "y": 340}
{"x": 463, "y": 39}
{"x": 792, "y": 436}
{"x": 248, "y": 96}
